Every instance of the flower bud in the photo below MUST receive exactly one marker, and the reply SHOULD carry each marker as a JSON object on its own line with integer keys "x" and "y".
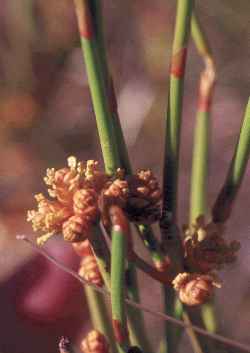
{"x": 89, "y": 269}
{"x": 75, "y": 229}
{"x": 85, "y": 204}
{"x": 144, "y": 197}
{"x": 194, "y": 289}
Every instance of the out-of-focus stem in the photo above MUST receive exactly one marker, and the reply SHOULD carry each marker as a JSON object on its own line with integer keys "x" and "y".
{"x": 224, "y": 202}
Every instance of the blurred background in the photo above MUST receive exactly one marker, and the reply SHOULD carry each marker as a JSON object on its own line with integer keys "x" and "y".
{"x": 46, "y": 115}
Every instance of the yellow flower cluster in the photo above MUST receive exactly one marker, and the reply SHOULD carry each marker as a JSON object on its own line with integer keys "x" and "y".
{"x": 82, "y": 194}
{"x": 74, "y": 208}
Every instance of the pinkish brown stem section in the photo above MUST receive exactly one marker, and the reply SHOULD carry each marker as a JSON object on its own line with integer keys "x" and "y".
{"x": 207, "y": 81}
{"x": 84, "y": 20}
{"x": 121, "y": 334}
{"x": 178, "y": 62}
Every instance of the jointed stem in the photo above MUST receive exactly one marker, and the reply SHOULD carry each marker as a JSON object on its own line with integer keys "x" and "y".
{"x": 137, "y": 336}
{"x": 120, "y": 233}
{"x": 174, "y": 111}
{"x": 99, "y": 315}
{"x": 87, "y": 29}
{"x": 198, "y": 194}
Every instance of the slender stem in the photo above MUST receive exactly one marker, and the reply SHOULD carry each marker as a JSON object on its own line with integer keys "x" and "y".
{"x": 101, "y": 86}
{"x": 137, "y": 335}
{"x": 198, "y": 194}
{"x": 87, "y": 28}
{"x": 120, "y": 230}
{"x": 170, "y": 233}
{"x": 162, "y": 277}
{"x": 109, "y": 87}
{"x": 198, "y": 197}
{"x": 192, "y": 336}
{"x": 209, "y": 317}
{"x": 174, "y": 111}
{"x": 120, "y": 140}
{"x": 136, "y": 327}
{"x": 224, "y": 202}
{"x": 151, "y": 243}
{"x": 99, "y": 315}
{"x": 101, "y": 253}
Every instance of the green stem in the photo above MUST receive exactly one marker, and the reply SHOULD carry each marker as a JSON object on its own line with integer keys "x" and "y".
{"x": 109, "y": 87}
{"x": 223, "y": 205}
{"x": 118, "y": 263}
{"x": 198, "y": 194}
{"x": 137, "y": 335}
{"x": 87, "y": 29}
{"x": 209, "y": 316}
{"x": 192, "y": 336}
{"x": 198, "y": 198}
{"x": 150, "y": 242}
{"x": 101, "y": 87}
{"x": 99, "y": 315}
{"x": 174, "y": 111}
{"x": 170, "y": 233}
{"x": 136, "y": 326}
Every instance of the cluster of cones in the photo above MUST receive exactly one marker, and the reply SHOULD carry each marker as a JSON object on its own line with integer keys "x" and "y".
{"x": 205, "y": 252}
{"x": 81, "y": 195}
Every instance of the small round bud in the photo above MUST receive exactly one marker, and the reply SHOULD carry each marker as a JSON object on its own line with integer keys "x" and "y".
{"x": 95, "y": 342}
{"x": 144, "y": 197}
{"x": 89, "y": 269}
{"x": 85, "y": 204}
{"x": 116, "y": 192}
{"x": 194, "y": 289}
{"x": 75, "y": 229}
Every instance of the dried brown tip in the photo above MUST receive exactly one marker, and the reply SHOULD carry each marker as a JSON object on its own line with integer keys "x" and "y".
{"x": 95, "y": 342}
{"x": 194, "y": 289}
{"x": 89, "y": 269}
{"x": 76, "y": 229}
